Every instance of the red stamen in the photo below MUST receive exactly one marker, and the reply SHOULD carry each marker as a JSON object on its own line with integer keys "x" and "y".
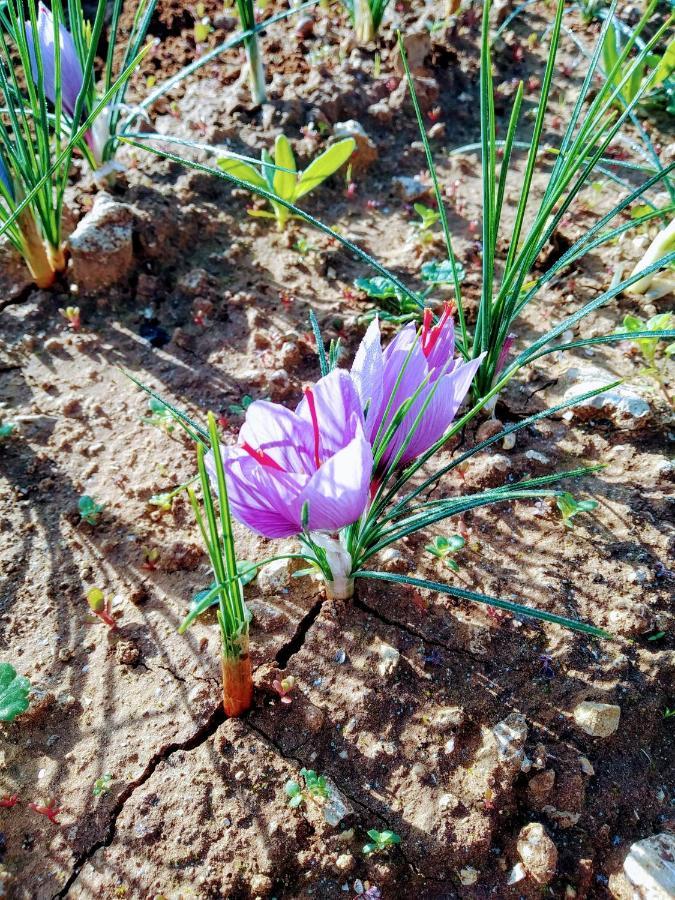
{"x": 430, "y": 335}
{"x": 262, "y": 457}
{"x": 315, "y": 424}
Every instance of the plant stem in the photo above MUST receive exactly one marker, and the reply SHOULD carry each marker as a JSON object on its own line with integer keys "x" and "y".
{"x": 256, "y": 71}
{"x": 35, "y": 252}
{"x": 363, "y": 22}
{"x": 340, "y": 588}
{"x": 237, "y": 680}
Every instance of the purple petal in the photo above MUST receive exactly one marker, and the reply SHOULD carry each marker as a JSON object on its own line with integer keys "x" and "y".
{"x": 265, "y": 500}
{"x": 447, "y": 397}
{"x": 337, "y": 493}
{"x": 405, "y": 369}
{"x": 368, "y": 372}
{"x": 338, "y": 411}
{"x": 71, "y": 70}
{"x": 444, "y": 346}
{"x": 281, "y": 434}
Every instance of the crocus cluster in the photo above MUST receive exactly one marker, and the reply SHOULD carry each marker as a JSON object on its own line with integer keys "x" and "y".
{"x": 311, "y": 470}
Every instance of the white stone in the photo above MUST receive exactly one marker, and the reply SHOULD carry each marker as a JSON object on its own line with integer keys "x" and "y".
{"x": 275, "y": 577}
{"x": 650, "y": 867}
{"x": 597, "y": 719}
{"x": 538, "y": 852}
{"x": 101, "y": 246}
{"x": 389, "y": 659}
{"x": 365, "y": 152}
{"x": 622, "y": 405}
{"x": 409, "y": 189}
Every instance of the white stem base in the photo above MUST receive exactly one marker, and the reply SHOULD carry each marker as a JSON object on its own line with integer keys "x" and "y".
{"x": 340, "y": 588}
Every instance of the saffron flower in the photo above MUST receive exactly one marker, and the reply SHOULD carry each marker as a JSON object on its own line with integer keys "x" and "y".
{"x": 419, "y": 366}
{"x": 303, "y": 470}
{"x": 71, "y": 77}
{"x": 71, "y": 69}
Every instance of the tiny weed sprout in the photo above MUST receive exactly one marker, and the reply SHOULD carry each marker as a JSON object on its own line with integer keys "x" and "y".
{"x": 49, "y": 811}
{"x": 428, "y": 217}
{"x": 366, "y": 16}
{"x": 648, "y": 347}
{"x": 569, "y": 507}
{"x": 9, "y": 801}
{"x": 160, "y": 416}
{"x": 280, "y": 177}
{"x": 398, "y": 308}
{"x": 379, "y": 841}
{"x": 315, "y": 788}
{"x": 102, "y": 785}
{"x": 546, "y": 666}
{"x": 239, "y": 409}
{"x": 14, "y": 690}
{"x": 669, "y": 713}
{"x": 444, "y": 548}
{"x": 151, "y": 556}
{"x": 227, "y": 590}
{"x": 101, "y": 607}
{"x": 284, "y": 687}
{"x": 90, "y": 511}
{"x": 72, "y": 316}
{"x": 6, "y": 429}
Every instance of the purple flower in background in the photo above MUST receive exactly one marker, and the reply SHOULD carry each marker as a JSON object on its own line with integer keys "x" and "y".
{"x": 71, "y": 69}
{"x": 317, "y": 458}
{"x": 504, "y": 352}
{"x": 5, "y": 178}
{"x": 419, "y": 360}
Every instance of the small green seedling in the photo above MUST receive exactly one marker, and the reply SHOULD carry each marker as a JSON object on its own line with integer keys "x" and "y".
{"x": 379, "y": 841}
{"x": 428, "y": 217}
{"x": 101, "y": 607}
{"x": 396, "y": 307}
{"x": 160, "y": 416}
{"x": 6, "y": 429}
{"x": 14, "y": 690}
{"x": 648, "y": 346}
{"x": 443, "y": 548}
{"x": 668, "y": 713}
{"x": 280, "y": 177}
{"x": 89, "y": 510}
{"x": 316, "y": 788}
{"x": 239, "y": 409}
{"x": 569, "y": 507}
{"x": 102, "y": 785}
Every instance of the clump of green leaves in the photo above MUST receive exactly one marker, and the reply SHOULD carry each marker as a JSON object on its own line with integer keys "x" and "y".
{"x": 397, "y": 307}
{"x": 379, "y": 841}
{"x": 428, "y": 218}
{"x": 444, "y": 548}
{"x": 90, "y": 511}
{"x": 239, "y": 409}
{"x": 570, "y": 507}
{"x": 102, "y": 785}
{"x": 366, "y": 16}
{"x": 279, "y": 176}
{"x": 648, "y": 347}
{"x": 14, "y": 690}
{"x": 6, "y": 428}
{"x": 315, "y": 788}
{"x": 649, "y": 74}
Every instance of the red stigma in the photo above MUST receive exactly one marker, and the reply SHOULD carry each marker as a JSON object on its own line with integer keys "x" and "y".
{"x": 262, "y": 457}
{"x": 315, "y": 424}
{"x": 431, "y": 334}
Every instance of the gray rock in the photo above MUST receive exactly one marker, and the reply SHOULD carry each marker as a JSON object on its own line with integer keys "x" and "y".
{"x": 622, "y": 405}
{"x": 101, "y": 246}
{"x": 650, "y": 867}
{"x": 409, "y": 189}
{"x": 275, "y": 577}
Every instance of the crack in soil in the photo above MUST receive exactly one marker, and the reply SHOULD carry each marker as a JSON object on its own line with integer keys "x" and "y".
{"x": 207, "y": 730}
{"x": 215, "y": 719}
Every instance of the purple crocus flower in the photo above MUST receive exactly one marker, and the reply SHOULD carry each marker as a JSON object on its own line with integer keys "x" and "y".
{"x": 316, "y": 459}
{"x": 5, "y": 178}
{"x": 420, "y": 360}
{"x": 71, "y": 69}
